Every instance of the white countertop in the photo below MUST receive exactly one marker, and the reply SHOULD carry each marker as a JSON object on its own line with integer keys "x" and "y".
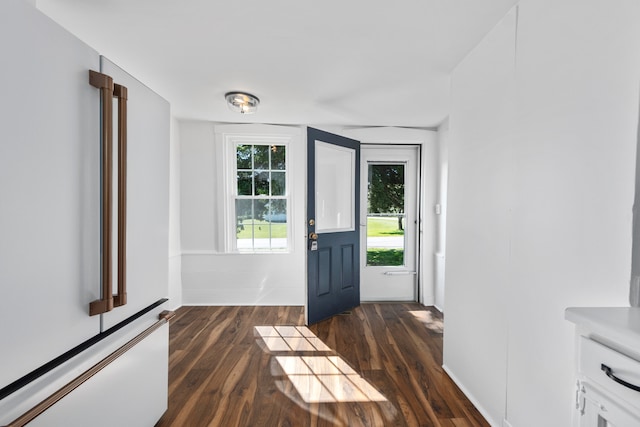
{"x": 617, "y": 327}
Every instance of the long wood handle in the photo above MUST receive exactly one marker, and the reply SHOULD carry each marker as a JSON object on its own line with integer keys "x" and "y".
{"x": 120, "y": 92}
{"x": 37, "y": 410}
{"x": 105, "y": 84}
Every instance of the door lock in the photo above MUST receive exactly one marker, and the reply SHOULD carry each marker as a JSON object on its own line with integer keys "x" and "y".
{"x": 313, "y": 236}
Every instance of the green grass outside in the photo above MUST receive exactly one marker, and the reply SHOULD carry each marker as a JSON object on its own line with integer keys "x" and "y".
{"x": 261, "y": 230}
{"x": 385, "y": 257}
{"x": 376, "y": 227}
{"x": 383, "y": 226}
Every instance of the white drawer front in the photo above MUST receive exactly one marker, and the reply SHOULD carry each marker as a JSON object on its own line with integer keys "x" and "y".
{"x": 593, "y": 355}
{"x": 130, "y": 392}
{"x": 598, "y": 410}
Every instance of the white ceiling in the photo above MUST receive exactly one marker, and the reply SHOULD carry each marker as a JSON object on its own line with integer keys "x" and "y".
{"x": 331, "y": 62}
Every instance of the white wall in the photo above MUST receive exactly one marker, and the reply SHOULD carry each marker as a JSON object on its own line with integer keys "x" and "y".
{"x": 175, "y": 260}
{"x": 540, "y": 196}
{"x": 197, "y": 186}
{"x": 578, "y": 75}
{"x": 209, "y": 275}
{"x": 479, "y": 199}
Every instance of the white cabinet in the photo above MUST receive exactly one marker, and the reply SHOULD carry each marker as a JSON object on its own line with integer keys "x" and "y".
{"x": 49, "y": 190}
{"x": 86, "y": 405}
{"x": 595, "y": 409}
{"x": 50, "y": 225}
{"x": 607, "y": 366}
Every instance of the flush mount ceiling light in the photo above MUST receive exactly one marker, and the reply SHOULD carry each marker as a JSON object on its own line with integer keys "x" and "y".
{"x": 241, "y": 102}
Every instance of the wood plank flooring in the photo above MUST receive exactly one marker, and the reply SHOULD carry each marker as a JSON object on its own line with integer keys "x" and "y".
{"x": 380, "y": 365}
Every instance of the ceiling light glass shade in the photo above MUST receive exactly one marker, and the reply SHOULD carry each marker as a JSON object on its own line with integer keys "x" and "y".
{"x": 240, "y": 102}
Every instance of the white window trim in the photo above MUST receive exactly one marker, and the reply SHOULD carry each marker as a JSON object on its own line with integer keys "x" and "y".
{"x": 230, "y": 136}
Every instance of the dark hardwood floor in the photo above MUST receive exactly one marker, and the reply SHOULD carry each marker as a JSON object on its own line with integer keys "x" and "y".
{"x": 380, "y": 365}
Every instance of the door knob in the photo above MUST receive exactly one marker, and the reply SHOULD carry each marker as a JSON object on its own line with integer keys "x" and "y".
{"x": 313, "y": 236}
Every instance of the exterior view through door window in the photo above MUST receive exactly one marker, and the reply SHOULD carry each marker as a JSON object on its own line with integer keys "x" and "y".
{"x": 385, "y": 215}
{"x": 261, "y": 198}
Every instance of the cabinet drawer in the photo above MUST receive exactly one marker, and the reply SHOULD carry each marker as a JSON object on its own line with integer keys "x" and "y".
{"x": 593, "y": 355}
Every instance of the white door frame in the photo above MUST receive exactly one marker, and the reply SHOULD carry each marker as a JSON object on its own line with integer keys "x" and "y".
{"x": 392, "y": 283}
{"x": 428, "y": 141}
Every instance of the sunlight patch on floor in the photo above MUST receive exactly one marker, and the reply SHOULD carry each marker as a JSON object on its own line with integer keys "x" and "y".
{"x": 317, "y": 379}
{"x": 322, "y": 379}
{"x": 289, "y": 338}
{"x": 427, "y": 319}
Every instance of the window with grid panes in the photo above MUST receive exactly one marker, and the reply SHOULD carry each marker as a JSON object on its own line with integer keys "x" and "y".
{"x": 261, "y": 198}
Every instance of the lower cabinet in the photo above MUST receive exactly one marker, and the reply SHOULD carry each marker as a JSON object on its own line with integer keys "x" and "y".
{"x": 131, "y": 391}
{"x": 607, "y": 366}
{"x": 596, "y": 408}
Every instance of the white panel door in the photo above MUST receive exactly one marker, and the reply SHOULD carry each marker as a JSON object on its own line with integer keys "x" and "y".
{"x": 49, "y": 190}
{"x": 147, "y": 196}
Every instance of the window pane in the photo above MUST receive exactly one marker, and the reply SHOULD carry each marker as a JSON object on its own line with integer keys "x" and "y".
{"x": 261, "y": 157}
{"x": 262, "y": 184}
{"x": 244, "y": 210}
{"x": 244, "y": 223}
{"x": 245, "y": 183}
{"x": 243, "y": 156}
{"x": 385, "y": 218}
{"x": 278, "y": 157}
{"x": 335, "y": 179}
{"x": 278, "y": 218}
{"x": 277, "y": 211}
{"x": 278, "y": 182}
{"x": 260, "y": 210}
{"x": 385, "y": 241}
{"x": 261, "y": 230}
{"x": 386, "y": 188}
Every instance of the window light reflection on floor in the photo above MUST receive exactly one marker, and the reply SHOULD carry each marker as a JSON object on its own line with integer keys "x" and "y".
{"x": 317, "y": 379}
{"x": 290, "y": 338}
{"x": 325, "y": 379}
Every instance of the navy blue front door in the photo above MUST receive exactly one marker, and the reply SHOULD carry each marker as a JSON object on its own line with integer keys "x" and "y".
{"x": 333, "y": 229}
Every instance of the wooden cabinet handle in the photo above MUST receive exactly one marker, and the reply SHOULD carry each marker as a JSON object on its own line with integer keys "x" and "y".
{"x": 108, "y": 91}
{"x": 120, "y": 92}
{"x": 105, "y": 84}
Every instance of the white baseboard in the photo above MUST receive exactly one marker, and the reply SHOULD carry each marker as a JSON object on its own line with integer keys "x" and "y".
{"x": 242, "y": 296}
{"x": 428, "y": 301}
{"x": 472, "y": 399}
